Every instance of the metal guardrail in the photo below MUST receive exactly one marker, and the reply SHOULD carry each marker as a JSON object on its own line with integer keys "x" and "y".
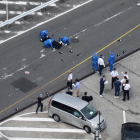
{"x": 27, "y": 13}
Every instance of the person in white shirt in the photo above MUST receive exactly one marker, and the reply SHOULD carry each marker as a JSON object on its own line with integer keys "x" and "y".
{"x": 114, "y": 74}
{"x": 126, "y": 90}
{"x": 123, "y": 81}
{"x": 69, "y": 82}
{"x": 101, "y": 64}
{"x": 125, "y": 74}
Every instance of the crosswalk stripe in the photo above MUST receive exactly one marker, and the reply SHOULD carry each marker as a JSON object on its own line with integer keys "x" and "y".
{"x": 42, "y": 139}
{"x": 32, "y": 119}
{"x": 42, "y": 129}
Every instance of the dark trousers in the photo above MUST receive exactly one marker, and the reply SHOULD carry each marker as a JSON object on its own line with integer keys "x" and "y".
{"x": 113, "y": 80}
{"x": 117, "y": 91}
{"x": 122, "y": 88}
{"x": 126, "y": 92}
{"x": 101, "y": 90}
{"x": 39, "y": 104}
{"x": 69, "y": 84}
{"x": 100, "y": 69}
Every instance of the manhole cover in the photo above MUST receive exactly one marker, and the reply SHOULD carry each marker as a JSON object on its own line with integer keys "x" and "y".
{"x": 74, "y": 40}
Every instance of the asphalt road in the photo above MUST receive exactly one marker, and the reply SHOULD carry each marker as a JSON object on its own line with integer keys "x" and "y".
{"x": 95, "y": 24}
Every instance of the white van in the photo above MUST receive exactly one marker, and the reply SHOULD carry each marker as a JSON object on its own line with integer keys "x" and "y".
{"x": 76, "y": 112}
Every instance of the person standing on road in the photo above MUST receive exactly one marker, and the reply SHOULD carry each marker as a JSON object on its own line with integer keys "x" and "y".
{"x": 101, "y": 64}
{"x": 125, "y": 74}
{"x": 77, "y": 86}
{"x": 94, "y": 62}
{"x": 69, "y": 82}
{"x": 64, "y": 40}
{"x": 114, "y": 75}
{"x": 48, "y": 43}
{"x": 40, "y": 103}
{"x": 123, "y": 81}
{"x": 102, "y": 85}
{"x": 126, "y": 90}
{"x": 117, "y": 85}
{"x": 111, "y": 60}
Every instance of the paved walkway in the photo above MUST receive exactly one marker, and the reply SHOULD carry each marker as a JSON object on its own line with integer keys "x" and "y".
{"x": 110, "y": 107}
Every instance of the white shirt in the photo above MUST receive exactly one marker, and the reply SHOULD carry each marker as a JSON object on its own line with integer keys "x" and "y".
{"x": 114, "y": 73}
{"x": 127, "y": 87}
{"x": 70, "y": 76}
{"x": 125, "y": 75}
{"x": 101, "y": 62}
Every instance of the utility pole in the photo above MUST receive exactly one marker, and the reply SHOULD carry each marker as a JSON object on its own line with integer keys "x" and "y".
{"x": 6, "y": 10}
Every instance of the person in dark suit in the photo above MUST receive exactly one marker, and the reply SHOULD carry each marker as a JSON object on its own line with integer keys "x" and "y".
{"x": 117, "y": 85}
{"x": 87, "y": 98}
{"x": 102, "y": 81}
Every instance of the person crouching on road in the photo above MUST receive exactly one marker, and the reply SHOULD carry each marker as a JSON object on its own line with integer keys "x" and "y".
{"x": 64, "y": 41}
{"x": 43, "y": 35}
{"x": 48, "y": 43}
{"x": 94, "y": 62}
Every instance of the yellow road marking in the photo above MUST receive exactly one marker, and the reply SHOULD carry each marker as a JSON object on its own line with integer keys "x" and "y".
{"x": 72, "y": 68}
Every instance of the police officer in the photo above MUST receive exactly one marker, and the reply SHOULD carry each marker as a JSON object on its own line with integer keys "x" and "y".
{"x": 48, "y": 43}
{"x": 94, "y": 62}
{"x": 111, "y": 60}
{"x": 64, "y": 40}
{"x": 117, "y": 85}
{"x": 43, "y": 35}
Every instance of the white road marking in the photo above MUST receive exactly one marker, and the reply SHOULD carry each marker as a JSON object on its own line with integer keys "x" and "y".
{"x": 19, "y": 12}
{"x": 42, "y": 129}
{"x": 46, "y": 21}
{"x": 138, "y": 4}
{"x": 112, "y": 17}
{"x": 10, "y": 138}
{"x": 32, "y": 119}
{"x": 21, "y": 2}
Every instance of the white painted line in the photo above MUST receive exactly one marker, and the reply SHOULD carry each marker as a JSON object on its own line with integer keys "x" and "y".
{"x": 21, "y": 2}
{"x": 124, "y": 117}
{"x": 10, "y": 138}
{"x": 112, "y": 17}
{"x": 138, "y": 4}
{"x": 32, "y": 119}
{"x": 41, "y": 129}
{"x": 47, "y": 21}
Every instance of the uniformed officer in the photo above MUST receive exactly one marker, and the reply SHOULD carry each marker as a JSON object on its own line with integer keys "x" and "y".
{"x": 43, "y": 35}
{"x": 64, "y": 40}
{"x": 117, "y": 85}
{"x": 48, "y": 43}
{"x": 111, "y": 60}
{"x": 95, "y": 62}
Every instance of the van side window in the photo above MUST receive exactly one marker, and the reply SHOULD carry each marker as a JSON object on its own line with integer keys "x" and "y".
{"x": 76, "y": 113}
{"x": 66, "y": 108}
{"x": 56, "y": 104}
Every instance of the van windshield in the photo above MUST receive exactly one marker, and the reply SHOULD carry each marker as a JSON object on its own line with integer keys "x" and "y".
{"x": 89, "y": 111}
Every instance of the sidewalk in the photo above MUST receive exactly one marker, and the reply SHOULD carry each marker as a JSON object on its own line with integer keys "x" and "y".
{"x": 110, "y": 107}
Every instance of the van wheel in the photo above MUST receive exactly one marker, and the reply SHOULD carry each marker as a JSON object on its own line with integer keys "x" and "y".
{"x": 56, "y": 118}
{"x": 87, "y": 129}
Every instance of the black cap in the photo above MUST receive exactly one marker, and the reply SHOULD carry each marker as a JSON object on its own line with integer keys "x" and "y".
{"x": 103, "y": 75}
{"x": 101, "y": 55}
